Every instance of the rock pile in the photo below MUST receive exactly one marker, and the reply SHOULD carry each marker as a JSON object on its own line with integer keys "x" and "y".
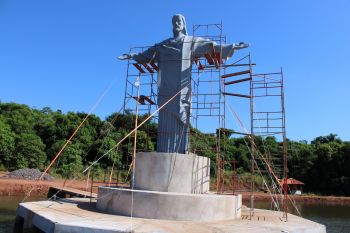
{"x": 28, "y": 174}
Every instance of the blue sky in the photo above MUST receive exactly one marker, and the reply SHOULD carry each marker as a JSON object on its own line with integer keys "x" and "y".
{"x": 62, "y": 54}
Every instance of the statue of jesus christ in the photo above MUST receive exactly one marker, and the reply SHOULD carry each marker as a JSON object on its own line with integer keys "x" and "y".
{"x": 175, "y": 57}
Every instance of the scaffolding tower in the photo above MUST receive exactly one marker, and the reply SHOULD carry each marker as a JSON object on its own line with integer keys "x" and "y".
{"x": 208, "y": 103}
{"x": 268, "y": 120}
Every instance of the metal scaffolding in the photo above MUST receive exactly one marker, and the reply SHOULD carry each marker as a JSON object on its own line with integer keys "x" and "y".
{"x": 213, "y": 87}
{"x": 269, "y": 119}
{"x": 208, "y": 103}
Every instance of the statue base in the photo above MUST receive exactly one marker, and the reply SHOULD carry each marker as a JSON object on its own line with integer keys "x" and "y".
{"x": 170, "y": 186}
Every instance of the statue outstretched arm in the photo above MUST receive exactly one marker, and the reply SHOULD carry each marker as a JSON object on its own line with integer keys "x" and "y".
{"x": 228, "y": 50}
{"x": 241, "y": 45}
{"x": 202, "y": 46}
{"x": 144, "y": 57}
{"x": 126, "y": 56}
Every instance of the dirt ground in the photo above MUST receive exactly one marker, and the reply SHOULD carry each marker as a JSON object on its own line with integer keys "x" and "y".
{"x": 15, "y": 187}
{"x": 300, "y": 198}
{"x": 18, "y": 187}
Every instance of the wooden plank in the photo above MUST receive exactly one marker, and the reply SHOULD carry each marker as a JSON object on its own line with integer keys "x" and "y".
{"x": 139, "y": 68}
{"x": 213, "y": 56}
{"x": 200, "y": 66}
{"x": 140, "y": 100}
{"x": 148, "y": 68}
{"x": 218, "y": 57}
{"x": 63, "y": 191}
{"x": 236, "y": 74}
{"x": 147, "y": 99}
{"x": 198, "y": 63}
{"x": 155, "y": 67}
{"x": 212, "y": 50}
{"x": 237, "y": 95}
{"x": 209, "y": 59}
{"x": 237, "y": 81}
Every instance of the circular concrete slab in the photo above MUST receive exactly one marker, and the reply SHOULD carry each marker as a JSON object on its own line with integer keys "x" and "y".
{"x": 168, "y": 205}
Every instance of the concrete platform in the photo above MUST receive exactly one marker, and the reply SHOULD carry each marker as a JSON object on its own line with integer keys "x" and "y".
{"x": 78, "y": 215}
{"x": 169, "y": 205}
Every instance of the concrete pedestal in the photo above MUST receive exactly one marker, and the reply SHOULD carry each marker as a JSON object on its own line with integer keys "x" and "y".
{"x": 172, "y": 172}
{"x": 170, "y": 186}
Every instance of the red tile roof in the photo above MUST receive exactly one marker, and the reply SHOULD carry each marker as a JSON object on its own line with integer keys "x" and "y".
{"x": 291, "y": 181}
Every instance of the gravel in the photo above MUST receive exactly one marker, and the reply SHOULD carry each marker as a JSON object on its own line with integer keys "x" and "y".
{"x": 28, "y": 174}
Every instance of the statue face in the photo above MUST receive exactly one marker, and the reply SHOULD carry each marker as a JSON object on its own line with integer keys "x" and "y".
{"x": 178, "y": 24}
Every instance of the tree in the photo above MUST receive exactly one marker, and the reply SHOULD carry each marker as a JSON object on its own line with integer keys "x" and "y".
{"x": 70, "y": 161}
{"x": 7, "y": 143}
{"x": 29, "y": 152}
{"x": 102, "y": 146}
{"x": 325, "y": 139}
{"x": 46, "y": 129}
{"x": 19, "y": 117}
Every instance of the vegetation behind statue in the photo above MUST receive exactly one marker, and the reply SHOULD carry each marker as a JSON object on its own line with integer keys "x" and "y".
{"x": 30, "y": 138}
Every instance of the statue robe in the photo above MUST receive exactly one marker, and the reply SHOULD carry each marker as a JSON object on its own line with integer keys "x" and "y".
{"x": 174, "y": 57}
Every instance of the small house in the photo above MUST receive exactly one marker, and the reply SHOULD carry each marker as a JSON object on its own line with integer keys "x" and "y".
{"x": 294, "y": 186}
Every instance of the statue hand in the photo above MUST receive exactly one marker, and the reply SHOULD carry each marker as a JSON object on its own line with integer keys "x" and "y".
{"x": 125, "y": 56}
{"x": 241, "y": 45}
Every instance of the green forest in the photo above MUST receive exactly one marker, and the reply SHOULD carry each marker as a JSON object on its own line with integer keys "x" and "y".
{"x": 30, "y": 138}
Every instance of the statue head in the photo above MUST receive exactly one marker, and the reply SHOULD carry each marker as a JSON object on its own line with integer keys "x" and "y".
{"x": 179, "y": 25}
